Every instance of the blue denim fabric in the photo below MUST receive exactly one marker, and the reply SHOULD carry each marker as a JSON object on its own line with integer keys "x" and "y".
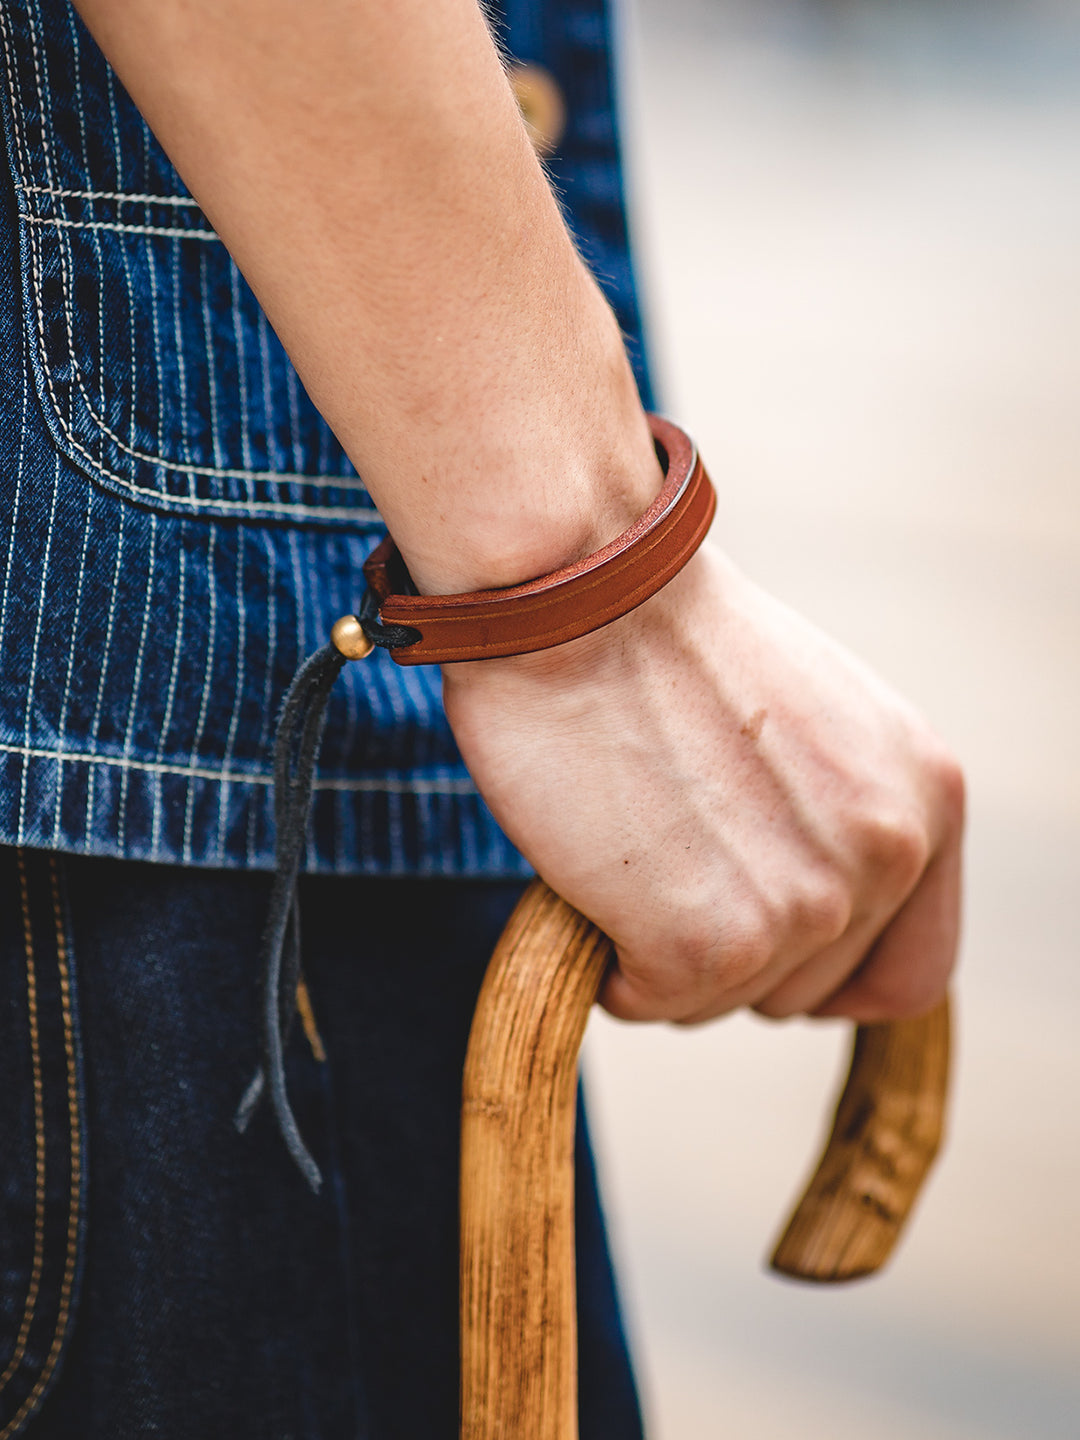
{"x": 161, "y": 1275}
{"x": 180, "y": 527}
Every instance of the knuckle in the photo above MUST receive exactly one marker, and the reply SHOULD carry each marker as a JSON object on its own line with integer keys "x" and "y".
{"x": 651, "y": 988}
{"x": 697, "y": 952}
{"x": 822, "y": 909}
{"x": 706, "y": 956}
{"x": 746, "y": 947}
{"x": 895, "y": 845}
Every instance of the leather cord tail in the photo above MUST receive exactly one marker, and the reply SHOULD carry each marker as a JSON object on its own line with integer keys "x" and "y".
{"x": 297, "y": 742}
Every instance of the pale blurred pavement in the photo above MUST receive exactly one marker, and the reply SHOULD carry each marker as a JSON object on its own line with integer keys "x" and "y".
{"x": 862, "y": 229}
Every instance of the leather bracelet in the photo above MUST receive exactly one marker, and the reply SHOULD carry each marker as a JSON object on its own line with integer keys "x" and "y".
{"x": 562, "y": 606}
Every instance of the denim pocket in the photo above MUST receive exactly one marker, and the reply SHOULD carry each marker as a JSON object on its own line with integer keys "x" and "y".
{"x": 41, "y": 1134}
{"x": 157, "y": 371}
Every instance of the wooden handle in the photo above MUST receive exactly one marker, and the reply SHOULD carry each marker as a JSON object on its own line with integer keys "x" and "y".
{"x": 518, "y": 1304}
{"x": 883, "y": 1141}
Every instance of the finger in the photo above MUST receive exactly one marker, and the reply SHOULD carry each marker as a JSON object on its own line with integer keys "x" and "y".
{"x": 820, "y": 977}
{"x": 907, "y": 971}
{"x": 739, "y": 969}
{"x": 649, "y": 994}
{"x": 746, "y": 962}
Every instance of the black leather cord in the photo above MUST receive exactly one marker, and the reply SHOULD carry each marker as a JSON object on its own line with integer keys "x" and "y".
{"x": 296, "y": 752}
{"x": 387, "y": 637}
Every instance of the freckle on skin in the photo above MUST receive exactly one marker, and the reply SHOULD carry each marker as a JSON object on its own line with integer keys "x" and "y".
{"x": 752, "y": 727}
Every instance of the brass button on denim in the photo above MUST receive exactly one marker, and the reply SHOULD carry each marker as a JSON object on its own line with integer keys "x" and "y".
{"x": 542, "y": 105}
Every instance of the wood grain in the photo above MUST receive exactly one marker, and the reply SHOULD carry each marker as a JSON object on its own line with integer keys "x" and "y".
{"x": 518, "y": 1303}
{"x": 887, "y": 1130}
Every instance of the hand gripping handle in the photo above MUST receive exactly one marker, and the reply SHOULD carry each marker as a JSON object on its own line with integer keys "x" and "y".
{"x": 518, "y": 1304}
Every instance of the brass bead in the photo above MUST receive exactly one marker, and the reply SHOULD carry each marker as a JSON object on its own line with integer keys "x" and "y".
{"x": 348, "y": 637}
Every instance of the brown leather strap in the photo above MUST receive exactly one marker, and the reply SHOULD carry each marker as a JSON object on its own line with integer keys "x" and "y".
{"x": 570, "y": 602}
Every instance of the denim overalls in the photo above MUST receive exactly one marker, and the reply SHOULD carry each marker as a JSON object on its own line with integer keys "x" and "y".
{"x": 180, "y": 527}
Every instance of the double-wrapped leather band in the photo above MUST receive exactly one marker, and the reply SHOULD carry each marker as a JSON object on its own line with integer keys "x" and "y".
{"x": 568, "y": 603}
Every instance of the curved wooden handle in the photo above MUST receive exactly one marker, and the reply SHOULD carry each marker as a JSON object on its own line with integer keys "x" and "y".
{"x": 518, "y": 1304}
{"x": 887, "y": 1130}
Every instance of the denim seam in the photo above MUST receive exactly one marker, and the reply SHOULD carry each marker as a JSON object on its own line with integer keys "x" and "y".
{"x": 37, "y": 1265}
{"x": 204, "y": 700}
{"x": 240, "y": 662}
{"x": 452, "y": 785}
{"x": 136, "y": 681}
{"x": 121, "y": 196}
{"x": 167, "y": 232}
{"x": 71, "y": 1256}
{"x": 31, "y": 681}
{"x": 75, "y": 1165}
{"x": 276, "y": 478}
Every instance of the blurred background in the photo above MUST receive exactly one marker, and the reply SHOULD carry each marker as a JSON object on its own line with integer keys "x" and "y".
{"x": 859, "y": 223}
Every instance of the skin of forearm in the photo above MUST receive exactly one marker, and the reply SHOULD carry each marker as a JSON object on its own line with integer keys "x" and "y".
{"x": 366, "y": 165}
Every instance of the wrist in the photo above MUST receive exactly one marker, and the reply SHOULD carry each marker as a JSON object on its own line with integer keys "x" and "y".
{"x": 536, "y": 479}
{"x": 554, "y": 608}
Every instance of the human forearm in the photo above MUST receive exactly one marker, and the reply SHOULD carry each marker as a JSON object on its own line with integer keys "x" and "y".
{"x": 750, "y": 816}
{"x": 366, "y": 166}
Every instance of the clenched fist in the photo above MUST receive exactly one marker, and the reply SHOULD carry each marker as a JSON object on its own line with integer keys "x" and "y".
{"x": 750, "y": 814}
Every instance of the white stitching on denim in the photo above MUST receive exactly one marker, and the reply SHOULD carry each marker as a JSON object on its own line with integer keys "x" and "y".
{"x": 75, "y": 45}
{"x": 136, "y": 679}
{"x": 273, "y": 507}
{"x": 241, "y": 366}
{"x": 118, "y": 152}
{"x": 72, "y": 651}
{"x": 37, "y": 83}
{"x": 166, "y": 719}
{"x": 294, "y": 408}
{"x": 275, "y": 478}
{"x": 168, "y": 232}
{"x": 139, "y": 491}
{"x": 39, "y": 622}
{"x": 77, "y": 614}
{"x": 104, "y": 661}
{"x": 299, "y": 627}
{"x": 200, "y": 724}
{"x": 152, "y": 271}
{"x": 181, "y": 365}
{"x": 272, "y": 446}
{"x": 129, "y": 448}
{"x": 374, "y": 785}
{"x": 14, "y": 511}
{"x": 211, "y": 372}
{"x": 124, "y": 197}
{"x": 238, "y": 693}
{"x": 270, "y": 591}
{"x": 449, "y": 786}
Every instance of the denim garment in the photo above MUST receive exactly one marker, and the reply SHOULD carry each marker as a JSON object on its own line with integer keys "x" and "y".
{"x": 180, "y": 527}
{"x": 161, "y": 1275}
